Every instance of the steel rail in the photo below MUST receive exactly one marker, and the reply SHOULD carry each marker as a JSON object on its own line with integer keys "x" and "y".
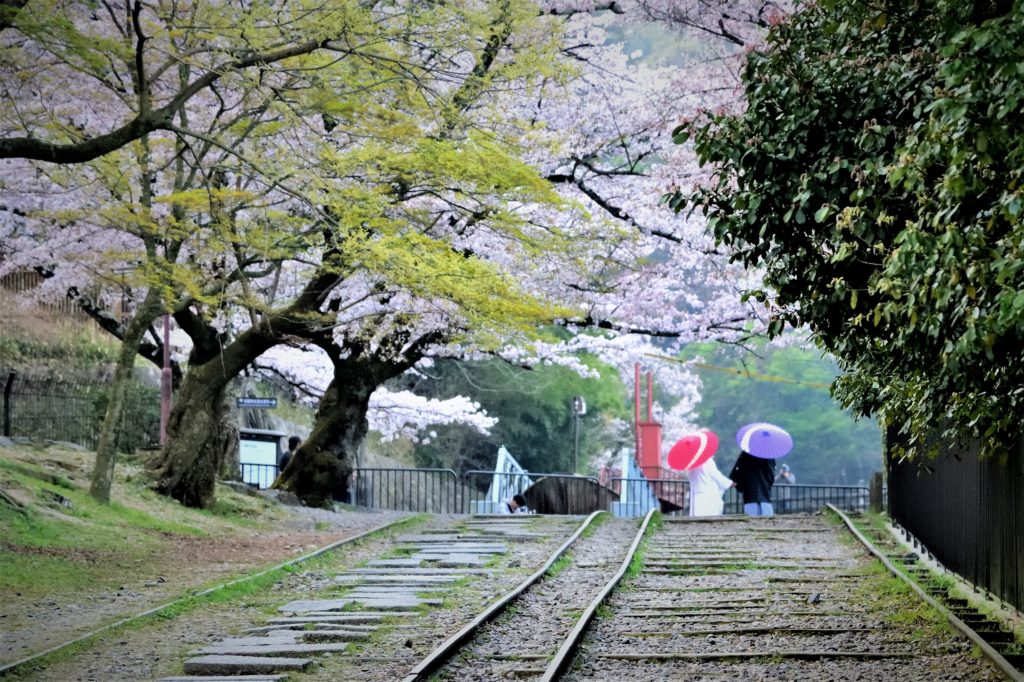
{"x": 436, "y": 658}
{"x": 986, "y": 648}
{"x": 569, "y": 644}
{"x": 8, "y": 667}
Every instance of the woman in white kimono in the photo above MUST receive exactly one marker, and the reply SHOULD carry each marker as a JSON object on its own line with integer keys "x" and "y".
{"x": 707, "y": 485}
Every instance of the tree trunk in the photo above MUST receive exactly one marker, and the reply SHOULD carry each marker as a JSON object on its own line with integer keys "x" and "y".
{"x": 318, "y": 471}
{"x": 201, "y": 433}
{"x": 106, "y": 448}
{"x": 198, "y": 435}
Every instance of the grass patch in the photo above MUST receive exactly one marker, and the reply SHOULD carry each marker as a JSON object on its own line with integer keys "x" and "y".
{"x": 55, "y": 538}
{"x": 636, "y": 564}
{"x": 175, "y": 609}
{"x": 595, "y": 524}
{"x": 563, "y": 562}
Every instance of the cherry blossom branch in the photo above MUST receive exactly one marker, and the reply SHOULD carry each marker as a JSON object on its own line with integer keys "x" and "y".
{"x": 144, "y": 122}
{"x": 733, "y": 324}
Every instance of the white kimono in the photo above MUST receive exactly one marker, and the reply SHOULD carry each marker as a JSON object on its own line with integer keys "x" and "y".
{"x": 707, "y": 484}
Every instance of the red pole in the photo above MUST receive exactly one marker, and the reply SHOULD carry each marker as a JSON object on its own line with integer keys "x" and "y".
{"x": 165, "y": 382}
{"x": 650, "y": 398}
{"x": 636, "y": 418}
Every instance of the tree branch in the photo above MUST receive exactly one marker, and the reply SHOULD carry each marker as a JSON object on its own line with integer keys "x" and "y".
{"x": 145, "y": 121}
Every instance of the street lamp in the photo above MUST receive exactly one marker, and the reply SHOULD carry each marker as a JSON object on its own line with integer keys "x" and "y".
{"x": 579, "y": 408}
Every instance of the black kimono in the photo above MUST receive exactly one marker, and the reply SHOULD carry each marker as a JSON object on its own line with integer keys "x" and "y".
{"x": 754, "y": 477}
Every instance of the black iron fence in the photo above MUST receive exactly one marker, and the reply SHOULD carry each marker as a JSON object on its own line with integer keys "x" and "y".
{"x": 260, "y": 476}
{"x": 968, "y": 512}
{"x": 438, "y": 491}
{"x": 50, "y": 406}
{"x": 444, "y": 491}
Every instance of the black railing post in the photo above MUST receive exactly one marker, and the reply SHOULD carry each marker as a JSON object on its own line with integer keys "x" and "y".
{"x": 8, "y": 387}
{"x": 875, "y": 493}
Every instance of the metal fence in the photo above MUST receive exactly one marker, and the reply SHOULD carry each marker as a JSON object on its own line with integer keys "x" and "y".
{"x": 260, "y": 476}
{"x": 968, "y": 512}
{"x": 547, "y": 493}
{"x": 438, "y": 491}
{"x": 49, "y": 406}
{"x": 443, "y": 491}
{"x": 669, "y": 495}
{"x": 796, "y": 499}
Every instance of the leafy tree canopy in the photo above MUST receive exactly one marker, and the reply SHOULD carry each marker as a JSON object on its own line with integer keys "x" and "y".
{"x": 534, "y": 413}
{"x": 788, "y": 387}
{"x": 875, "y": 176}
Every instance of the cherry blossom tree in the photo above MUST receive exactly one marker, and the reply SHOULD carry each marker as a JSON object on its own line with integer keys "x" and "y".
{"x": 373, "y": 203}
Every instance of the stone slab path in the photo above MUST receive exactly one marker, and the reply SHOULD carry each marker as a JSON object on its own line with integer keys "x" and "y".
{"x": 387, "y": 592}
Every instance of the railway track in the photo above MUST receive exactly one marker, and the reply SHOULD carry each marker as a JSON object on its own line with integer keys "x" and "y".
{"x": 376, "y": 619}
{"x": 536, "y": 637}
{"x": 781, "y": 598}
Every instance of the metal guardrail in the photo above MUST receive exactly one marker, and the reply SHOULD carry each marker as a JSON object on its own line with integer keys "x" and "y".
{"x": 670, "y": 495}
{"x": 443, "y": 491}
{"x": 548, "y": 493}
{"x": 436, "y": 491}
{"x": 795, "y": 499}
{"x": 260, "y": 476}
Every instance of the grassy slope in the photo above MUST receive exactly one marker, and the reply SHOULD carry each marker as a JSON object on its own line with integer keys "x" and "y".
{"x": 55, "y": 538}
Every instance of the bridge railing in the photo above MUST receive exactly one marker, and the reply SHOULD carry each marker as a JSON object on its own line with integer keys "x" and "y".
{"x": 548, "y": 493}
{"x": 671, "y": 495}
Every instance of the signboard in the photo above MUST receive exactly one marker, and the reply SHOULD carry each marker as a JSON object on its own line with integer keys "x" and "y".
{"x": 261, "y": 403}
{"x": 259, "y": 461}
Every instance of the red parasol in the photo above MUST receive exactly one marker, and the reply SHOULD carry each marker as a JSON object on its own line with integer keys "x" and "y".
{"x": 692, "y": 450}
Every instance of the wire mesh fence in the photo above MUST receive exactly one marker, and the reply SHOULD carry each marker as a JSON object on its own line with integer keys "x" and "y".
{"x": 51, "y": 406}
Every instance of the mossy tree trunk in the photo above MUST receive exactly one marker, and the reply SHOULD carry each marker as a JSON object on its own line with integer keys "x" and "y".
{"x": 106, "y": 448}
{"x": 201, "y": 433}
{"x": 319, "y": 470}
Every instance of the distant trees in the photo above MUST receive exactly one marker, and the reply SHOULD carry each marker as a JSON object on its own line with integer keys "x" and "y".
{"x": 788, "y": 386}
{"x": 535, "y": 413}
{"x": 875, "y": 176}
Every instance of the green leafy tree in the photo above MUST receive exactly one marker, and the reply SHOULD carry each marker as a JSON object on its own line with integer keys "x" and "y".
{"x": 330, "y": 173}
{"x": 788, "y": 387}
{"x": 534, "y": 412}
{"x": 875, "y": 178}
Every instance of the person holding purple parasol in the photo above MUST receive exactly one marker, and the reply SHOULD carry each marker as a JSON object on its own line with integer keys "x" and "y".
{"x": 753, "y": 477}
{"x": 754, "y": 472}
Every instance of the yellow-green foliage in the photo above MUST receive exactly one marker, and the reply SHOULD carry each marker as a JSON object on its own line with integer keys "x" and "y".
{"x": 348, "y": 157}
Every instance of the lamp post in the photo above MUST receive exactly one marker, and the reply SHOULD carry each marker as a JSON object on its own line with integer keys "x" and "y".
{"x": 579, "y": 408}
